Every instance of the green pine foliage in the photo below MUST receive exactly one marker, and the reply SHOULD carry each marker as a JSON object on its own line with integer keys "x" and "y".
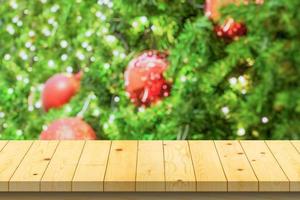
{"x": 243, "y": 89}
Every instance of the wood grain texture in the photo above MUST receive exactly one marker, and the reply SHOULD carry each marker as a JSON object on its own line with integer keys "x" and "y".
{"x": 150, "y": 174}
{"x": 179, "y": 169}
{"x": 10, "y": 158}
{"x": 270, "y": 179}
{"x": 208, "y": 169}
{"x": 236, "y": 166}
{"x": 121, "y": 167}
{"x": 289, "y": 160}
{"x": 89, "y": 175}
{"x": 29, "y": 173}
{"x": 61, "y": 169}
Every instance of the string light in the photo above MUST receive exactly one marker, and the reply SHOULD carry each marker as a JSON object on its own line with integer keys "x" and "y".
{"x": 264, "y": 120}
{"x": 7, "y": 56}
{"x": 23, "y": 55}
{"x": 135, "y": 24}
{"x": 10, "y": 90}
{"x": 88, "y": 33}
{"x": 31, "y": 33}
{"x": 30, "y": 108}
{"x": 80, "y": 55}
{"x": 144, "y": 19}
{"x": 105, "y": 126}
{"x": 69, "y": 69}
{"x": 54, "y": 8}
{"x": 63, "y": 44}
{"x": 19, "y": 132}
{"x": 2, "y": 114}
{"x": 46, "y": 32}
{"x": 51, "y": 63}
{"x": 225, "y": 110}
{"x": 242, "y": 80}
{"x": 38, "y": 104}
{"x": 28, "y": 44}
{"x": 64, "y": 57}
{"x": 14, "y": 5}
{"x": 5, "y": 125}
{"x": 116, "y": 99}
{"x": 106, "y": 66}
{"x": 96, "y": 112}
{"x": 111, "y": 118}
{"x": 10, "y": 29}
{"x": 233, "y": 81}
{"x": 183, "y": 79}
{"x": 241, "y": 132}
{"x": 92, "y": 59}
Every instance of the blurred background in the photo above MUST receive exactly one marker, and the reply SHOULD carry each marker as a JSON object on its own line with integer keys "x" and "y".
{"x": 149, "y": 69}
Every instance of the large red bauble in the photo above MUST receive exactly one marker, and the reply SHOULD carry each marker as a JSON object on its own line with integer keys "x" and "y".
{"x": 231, "y": 29}
{"x": 144, "y": 78}
{"x": 59, "y": 89}
{"x": 68, "y": 129}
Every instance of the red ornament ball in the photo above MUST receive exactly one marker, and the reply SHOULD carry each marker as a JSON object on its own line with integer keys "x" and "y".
{"x": 68, "y": 129}
{"x": 144, "y": 80}
{"x": 231, "y": 30}
{"x": 59, "y": 89}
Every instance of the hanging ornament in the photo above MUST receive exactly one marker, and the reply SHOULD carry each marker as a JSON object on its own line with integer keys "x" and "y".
{"x": 231, "y": 29}
{"x": 144, "y": 78}
{"x": 68, "y": 129}
{"x": 59, "y": 89}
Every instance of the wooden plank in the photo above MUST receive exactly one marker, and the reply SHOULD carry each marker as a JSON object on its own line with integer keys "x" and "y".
{"x": 150, "y": 174}
{"x": 208, "y": 169}
{"x": 236, "y": 166}
{"x": 259, "y": 156}
{"x": 179, "y": 169}
{"x": 121, "y": 168}
{"x": 89, "y": 175}
{"x": 2, "y": 144}
{"x": 60, "y": 171}
{"x": 10, "y": 158}
{"x": 296, "y": 144}
{"x": 29, "y": 173}
{"x": 289, "y": 160}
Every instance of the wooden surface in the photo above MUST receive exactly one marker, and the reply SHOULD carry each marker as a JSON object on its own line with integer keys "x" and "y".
{"x": 289, "y": 160}
{"x": 121, "y": 167}
{"x": 208, "y": 169}
{"x": 59, "y": 174}
{"x": 89, "y": 175}
{"x": 150, "y": 166}
{"x": 179, "y": 170}
{"x": 150, "y": 175}
{"x": 239, "y": 173}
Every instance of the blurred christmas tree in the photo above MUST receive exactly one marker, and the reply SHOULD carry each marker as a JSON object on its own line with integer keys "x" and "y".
{"x": 220, "y": 88}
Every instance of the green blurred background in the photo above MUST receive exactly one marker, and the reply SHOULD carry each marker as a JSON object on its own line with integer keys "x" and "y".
{"x": 243, "y": 89}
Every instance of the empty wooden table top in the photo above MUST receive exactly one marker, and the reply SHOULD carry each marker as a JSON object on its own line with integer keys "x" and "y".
{"x": 150, "y": 166}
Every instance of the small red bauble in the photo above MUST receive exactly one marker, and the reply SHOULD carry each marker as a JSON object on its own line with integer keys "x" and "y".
{"x": 59, "y": 89}
{"x": 68, "y": 129}
{"x": 231, "y": 29}
{"x": 144, "y": 78}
